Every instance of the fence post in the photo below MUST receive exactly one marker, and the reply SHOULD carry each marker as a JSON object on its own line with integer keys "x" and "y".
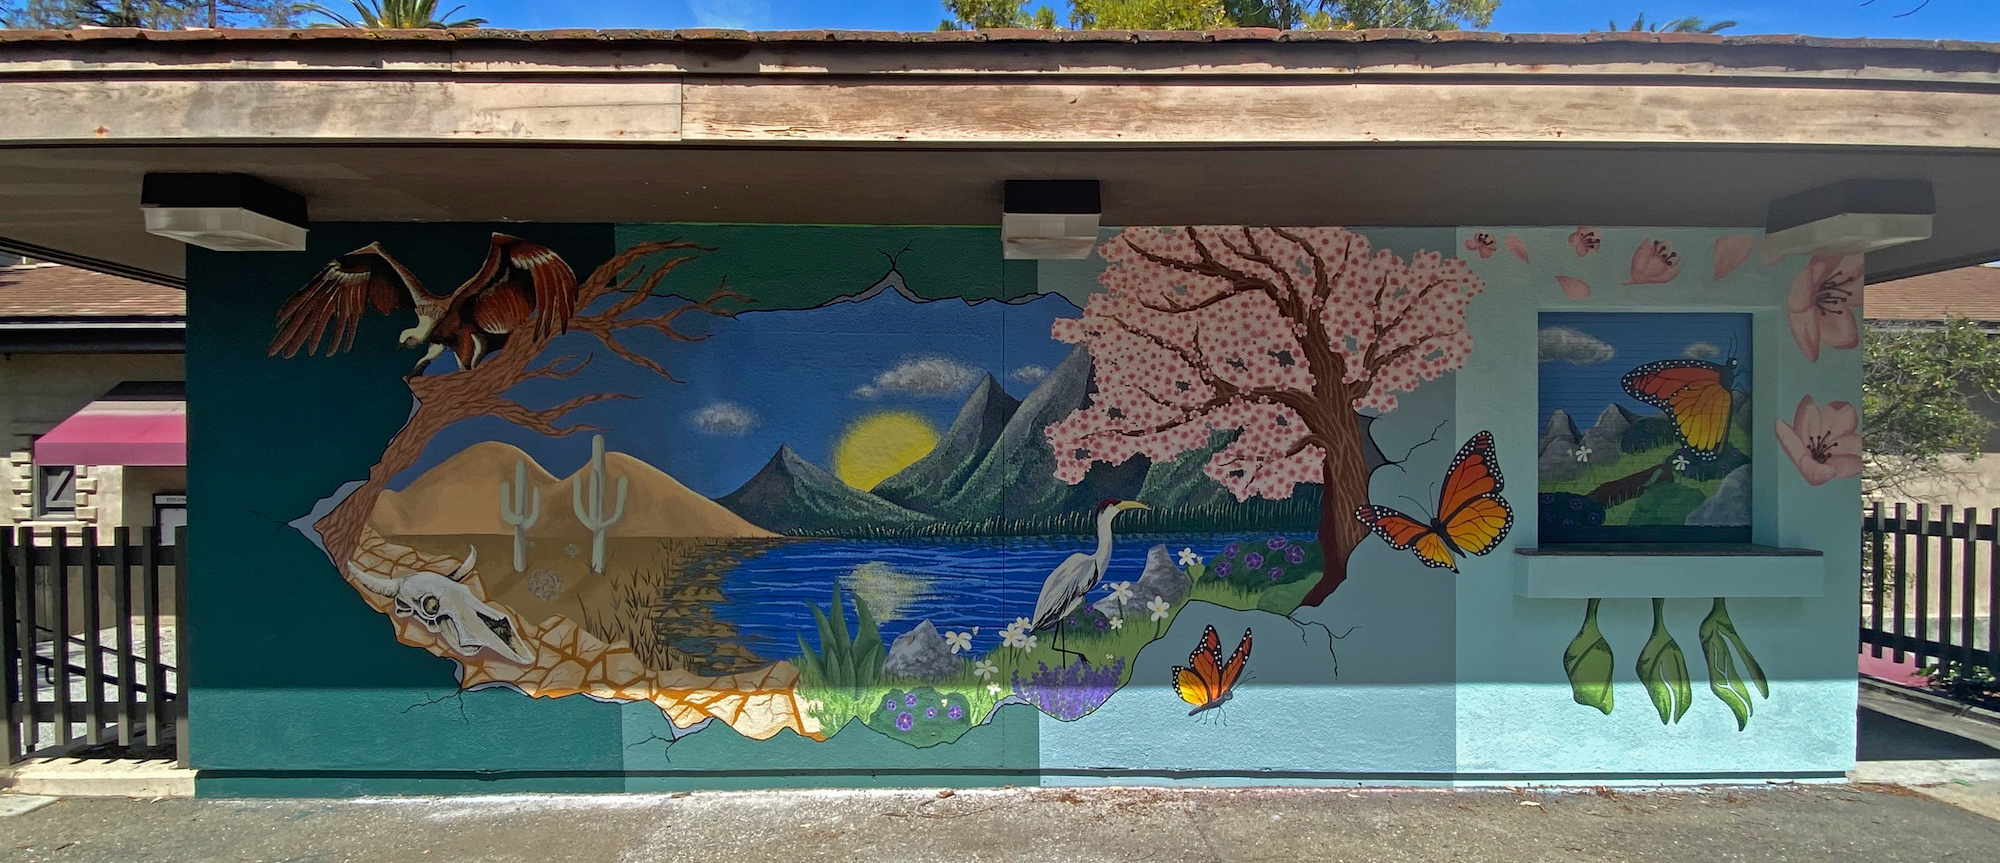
{"x": 59, "y": 634}
{"x": 1922, "y": 646}
{"x": 1968, "y": 593}
{"x": 121, "y": 612}
{"x": 1896, "y": 564}
{"x": 28, "y": 602}
{"x": 93, "y": 663}
{"x": 156, "y": 677}
{"x": 10, "y": 741}
{"x": 1993, "y": 596}
{"x": 180, "y": 647}
{"x": 1875, "y": 584}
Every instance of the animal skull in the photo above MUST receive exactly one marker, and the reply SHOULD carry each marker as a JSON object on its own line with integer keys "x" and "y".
{"x": 444, "y": 605}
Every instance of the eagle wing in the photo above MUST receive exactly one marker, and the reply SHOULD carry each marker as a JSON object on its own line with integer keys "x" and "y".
{"x": 522, "y": 283}
{"x": 339, "y": 295}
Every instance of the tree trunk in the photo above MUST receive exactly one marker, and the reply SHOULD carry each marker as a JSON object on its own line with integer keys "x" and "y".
{"x": 1344, "y": 479}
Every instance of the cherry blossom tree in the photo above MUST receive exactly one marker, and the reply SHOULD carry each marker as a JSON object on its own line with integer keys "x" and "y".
{"x": 1282, "y": 335}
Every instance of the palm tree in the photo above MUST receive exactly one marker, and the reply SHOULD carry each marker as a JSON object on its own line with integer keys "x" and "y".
{"x": 395, "y": 15}
{"x": 1690, "y": 24}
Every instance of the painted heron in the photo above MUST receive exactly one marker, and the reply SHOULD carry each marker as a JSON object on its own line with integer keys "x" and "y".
{"x": 1076, "y": 577}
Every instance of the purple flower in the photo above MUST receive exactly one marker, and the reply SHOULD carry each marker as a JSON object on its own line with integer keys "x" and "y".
{"x": 889, "y": 705}
{"x": 910, "y": 700}
{"x": 1222, "y": 569}
{"x": 1229, "y": 550}
{"x": 930, "y": 712}
{"x": 1295, "y": 554}
{"x": 904, "y": 721}
{"x": 955, "y": 712}
{"x": 1070, "y": 691}
{"x": 1277, "y": 573}
{"x": 1253, "y": 560}
{"x": 1277, "y": 542}
{"x": 1102, "y": 623}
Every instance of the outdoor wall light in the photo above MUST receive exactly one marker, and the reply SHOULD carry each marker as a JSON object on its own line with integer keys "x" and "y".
{"x": 1850, "y": 217}
{"x": 224, "y": 212}
{"x": 1049, "y": 219}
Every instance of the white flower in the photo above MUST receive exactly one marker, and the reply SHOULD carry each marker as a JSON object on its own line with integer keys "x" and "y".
{"x": 993, "y": 688}
{"x": 959, "y": 641}
{"x": 1582, "y": 453}
{"x": 1189, "y": 558}
{"x": 1680, "y": 463}
{"x": 1121, "y": 591}
{"x": 985, "y": 669}
{"x": 1016, "y": 632}
{"x": 1158, "y": 607}
{"x": 1117, "y": 623}
{"x": 1108, "y": 657}
{"x": 1028, "y": 643}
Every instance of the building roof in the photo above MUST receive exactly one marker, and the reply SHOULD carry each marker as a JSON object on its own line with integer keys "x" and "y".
{"x": 1966, "y": 292}
{"x": 937, "y": 37}
{"x": 47, "y": 292}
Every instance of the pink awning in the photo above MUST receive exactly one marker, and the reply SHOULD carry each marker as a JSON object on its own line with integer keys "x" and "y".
{"x": 119, "y": 432}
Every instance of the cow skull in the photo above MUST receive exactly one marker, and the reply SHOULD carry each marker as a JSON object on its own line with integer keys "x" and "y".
{"x": 444, "y": 605}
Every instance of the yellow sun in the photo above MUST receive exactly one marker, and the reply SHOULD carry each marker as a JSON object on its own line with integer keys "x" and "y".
{"x": 874, "y": 447}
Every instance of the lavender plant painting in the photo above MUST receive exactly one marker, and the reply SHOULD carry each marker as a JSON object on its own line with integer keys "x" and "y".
{"x": 1072, "y": 691}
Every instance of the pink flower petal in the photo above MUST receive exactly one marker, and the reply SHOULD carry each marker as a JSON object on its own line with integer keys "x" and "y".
{"x": 1654, "y": 263}
{"x": 1519, "y": 248}
{"x": 1575, "y": 289}
{"x": 1584, "y": 240}
{"x": 1840, "y": 418}
{"x": 1832, "y": 431}
{"x": 1731, "y": 252}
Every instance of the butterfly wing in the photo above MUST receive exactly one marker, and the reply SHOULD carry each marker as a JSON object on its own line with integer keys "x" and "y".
{"x": 1692, "y": 393}
{"x": 1233, "y": 669}
{"x": 1403, "y": 532}
{"x": 1201, "y": 681}
{"x": 1476, "y": 518}
{"x": 1480, "y": 524}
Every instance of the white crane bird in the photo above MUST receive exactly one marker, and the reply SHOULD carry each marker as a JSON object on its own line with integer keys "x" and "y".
{"x": 1076, "y": 577}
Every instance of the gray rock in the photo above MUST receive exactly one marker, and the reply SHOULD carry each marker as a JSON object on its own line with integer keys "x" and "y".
{"x": 1607, "y": 437}
{"x": 1161, "y": 578}
{"x": 921, "y": 652}
{"x": 1558, "y": 461}
{"x": 1730, "y": 507}
{"x": 1561, "y": 429}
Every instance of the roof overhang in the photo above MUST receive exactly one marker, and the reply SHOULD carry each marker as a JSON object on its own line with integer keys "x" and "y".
{"x": 1379, "y": 127}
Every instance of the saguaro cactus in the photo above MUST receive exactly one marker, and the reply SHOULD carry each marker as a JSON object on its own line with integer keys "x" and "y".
{"x": 593, "y": 517}
{"x": 513, "y": 512}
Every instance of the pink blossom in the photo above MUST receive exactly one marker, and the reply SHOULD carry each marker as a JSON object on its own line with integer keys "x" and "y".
{"x": 1730, "y": 252}
{"x": 1821, "y": 308}
{"x": 1654, "y": 263}
{"x": 1205, "y": 329}
{"x": 1825, "y": 444}
{"x": 1575, "y": 289}
{"x": 1482, "y": 243}
{"x": 1585, "y": 240}
{"x": 1516, "y": 245}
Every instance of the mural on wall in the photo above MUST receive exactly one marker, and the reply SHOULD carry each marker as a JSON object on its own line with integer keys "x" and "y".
{"x": 908, "y": 511}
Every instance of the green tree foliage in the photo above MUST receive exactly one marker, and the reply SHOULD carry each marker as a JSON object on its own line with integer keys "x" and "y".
{"x": 1689, "y": 24}
{"x": 1917, "y": 391}
{"x": 395, "y": 15}
{"x": 1206, "y": 14}
{"x": 149, "y": 14}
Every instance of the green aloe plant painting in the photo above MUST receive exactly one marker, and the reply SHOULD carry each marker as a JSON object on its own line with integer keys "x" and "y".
{"x": 1588, "y": 663}
{"x": 1724, "y": 649}
{"x": 1663, "y": 669}
{"x": 1662, "y": 666}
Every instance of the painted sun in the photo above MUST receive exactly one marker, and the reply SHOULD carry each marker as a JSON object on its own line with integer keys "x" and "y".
{"x": 878, "y": 445}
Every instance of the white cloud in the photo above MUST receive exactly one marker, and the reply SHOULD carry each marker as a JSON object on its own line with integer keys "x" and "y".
{"x": 725, "y": 418}
{"x": 732, "y": 14}
{"x": 924, "y": 377}
{"x": 1701, "y": 351}
{"x": 1576, "y": 347}
{"x": 1030, "y": 373}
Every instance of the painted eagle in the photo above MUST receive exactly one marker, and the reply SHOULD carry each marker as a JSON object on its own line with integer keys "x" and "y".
{"x": 523, "y": 287}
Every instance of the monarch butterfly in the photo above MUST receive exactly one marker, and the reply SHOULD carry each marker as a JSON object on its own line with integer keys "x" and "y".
{"x": 1697, "y": 394}
{"x": 1471, "y": 517}
{"x": 1206, "y": 682}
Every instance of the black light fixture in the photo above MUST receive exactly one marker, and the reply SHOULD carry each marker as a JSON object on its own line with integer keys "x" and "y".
{"x": 1050, "y": 219}
{"x": 1850, "y": 217}
{"x": 224, "y": 212}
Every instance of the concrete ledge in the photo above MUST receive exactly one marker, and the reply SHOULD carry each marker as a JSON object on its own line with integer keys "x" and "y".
{"x": 81, "y": 777}
{"x": 1577, "y": 575}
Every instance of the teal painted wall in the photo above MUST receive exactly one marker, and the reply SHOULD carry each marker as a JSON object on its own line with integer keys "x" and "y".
{"x": 300, "y": 688}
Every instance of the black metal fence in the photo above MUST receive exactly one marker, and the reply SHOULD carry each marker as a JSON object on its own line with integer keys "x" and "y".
{"x": 1930, "y": 578}
{"x": 91, "y": 652}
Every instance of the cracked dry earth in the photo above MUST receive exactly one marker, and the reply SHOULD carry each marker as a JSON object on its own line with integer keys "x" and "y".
{"x": 1811, "y": 824}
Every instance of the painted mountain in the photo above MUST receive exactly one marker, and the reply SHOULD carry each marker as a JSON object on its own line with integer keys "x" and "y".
{"x": 793, "y": 496}
{"x": 461, "y": 497}
{"x": 923, "y": 486}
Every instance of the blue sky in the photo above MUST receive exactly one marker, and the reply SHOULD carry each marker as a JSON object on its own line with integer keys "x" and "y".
{"x": 1941, "y": 19}
{"x": 1585, "y": 355}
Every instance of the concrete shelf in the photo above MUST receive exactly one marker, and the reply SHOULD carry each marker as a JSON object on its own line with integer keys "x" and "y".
{"x": 1644, "y": 571}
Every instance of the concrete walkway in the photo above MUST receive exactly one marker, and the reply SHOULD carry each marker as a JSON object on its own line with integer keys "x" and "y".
{"x": 1811, "y": 824}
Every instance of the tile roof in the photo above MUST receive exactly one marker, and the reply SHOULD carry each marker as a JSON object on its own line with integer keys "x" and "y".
{"x": 42, "y": 291}
{"x": 1967, "y": 292}
{"x": 934, "y": 37}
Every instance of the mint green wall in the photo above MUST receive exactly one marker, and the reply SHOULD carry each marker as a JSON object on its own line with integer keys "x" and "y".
{"x": 299, "y": 688}
{"x": 1515, "y": 715}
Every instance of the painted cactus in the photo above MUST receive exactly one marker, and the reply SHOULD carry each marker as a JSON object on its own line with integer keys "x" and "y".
{"x": 593, "y": 517}
{"x": 521, "y": 508}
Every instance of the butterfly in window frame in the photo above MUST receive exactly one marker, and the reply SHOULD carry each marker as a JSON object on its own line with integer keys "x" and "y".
{"x": 1207, "y": 681}
{"x": 1472, "y": 518}
{"x": 1697, "y": 395}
